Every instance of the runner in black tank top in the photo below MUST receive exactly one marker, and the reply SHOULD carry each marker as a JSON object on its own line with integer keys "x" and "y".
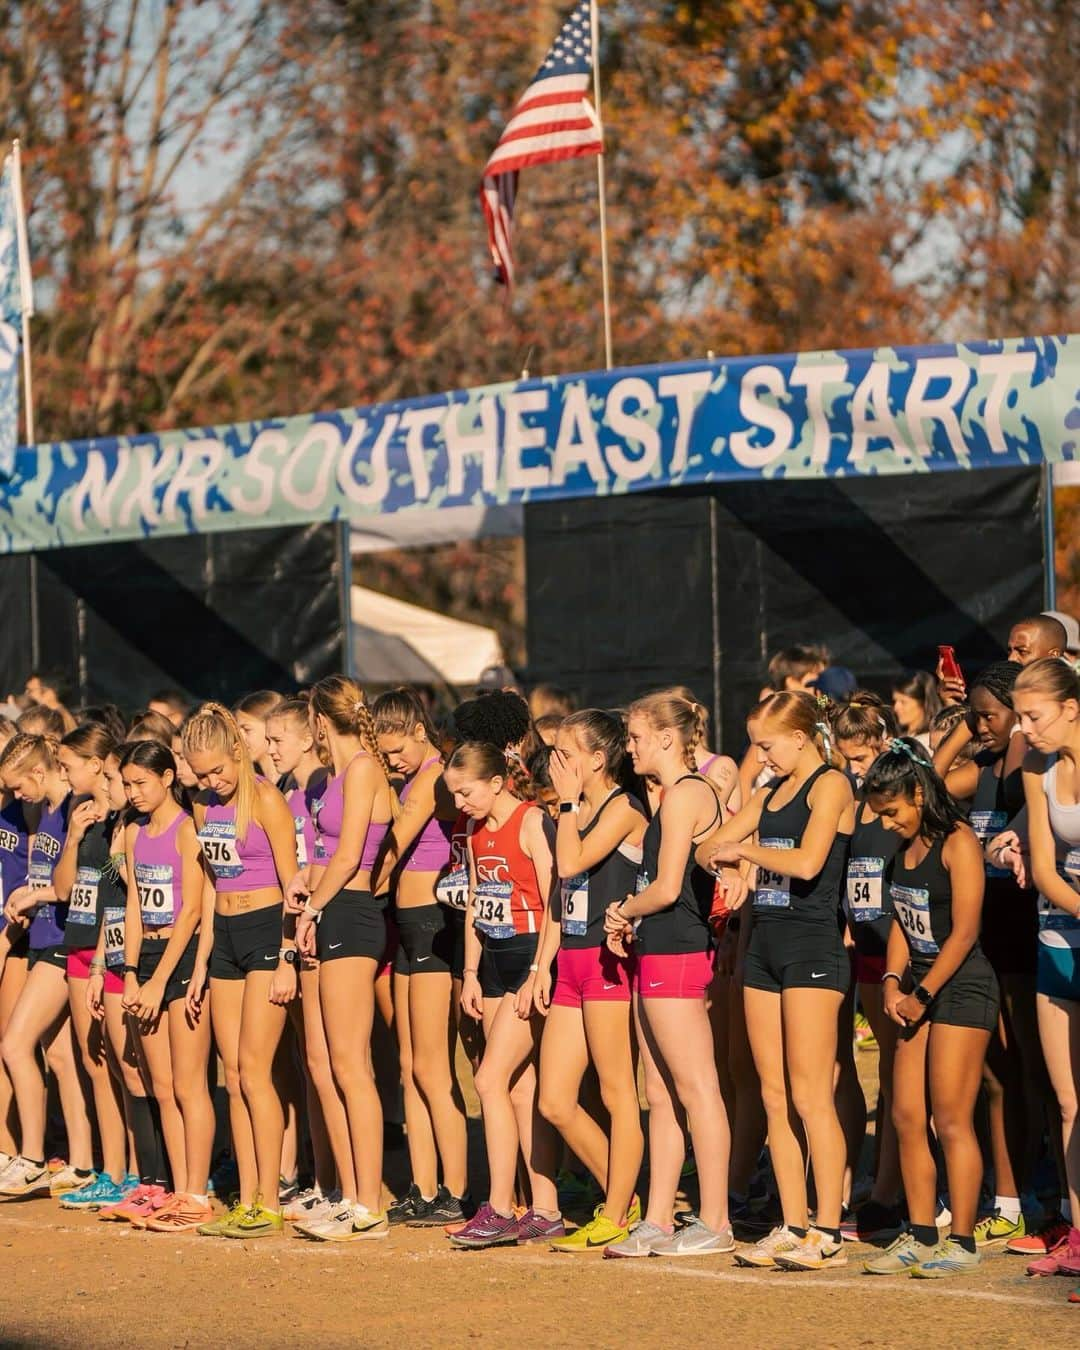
{"x": 941, "y": 992}
{"x": 589, "y": 1018}
{"x": 1017, "y": 1091}
{"x": 801, "y": 823}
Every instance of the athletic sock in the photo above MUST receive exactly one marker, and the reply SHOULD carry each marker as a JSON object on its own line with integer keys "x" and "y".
{"x": 926, "y": 1235}
{"x": 1008, "y": 1206}
{"x": 200, "y": 1199}
{"x": 146, "y": 1127}
{"x": 833, "y": 1234}
{"x": 800, "y": 1233}
{"x": 83, "y": 1171}
{"x": 35, "y": 1162}
{"x": 550, "y": 1215}
{"x": 968, "y": 1243}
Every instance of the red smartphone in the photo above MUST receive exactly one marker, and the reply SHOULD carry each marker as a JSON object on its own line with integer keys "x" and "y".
{"x": 950, "y": 666}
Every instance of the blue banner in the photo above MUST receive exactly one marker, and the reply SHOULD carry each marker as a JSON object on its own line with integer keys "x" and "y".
{"x": 822, "y": 414}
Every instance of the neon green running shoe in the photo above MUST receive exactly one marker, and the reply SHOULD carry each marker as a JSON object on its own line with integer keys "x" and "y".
{"x": 256, "y": 1221}
{"x": 217, "y": 1226}
{"x": 994, "y": 1231}
{"x": 599, "y": 1232}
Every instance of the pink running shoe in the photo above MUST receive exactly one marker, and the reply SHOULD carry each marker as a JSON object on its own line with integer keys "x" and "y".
{"x": 143, "y": 1202}
{"x": 1064, "y": 1259}
{"x": 533, "y": 1227}
{"x": 1044, "y": 1239}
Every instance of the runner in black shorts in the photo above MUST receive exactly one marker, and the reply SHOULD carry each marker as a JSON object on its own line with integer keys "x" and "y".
{"x": 796, "y": 970}
{"x": 941, "y": 992}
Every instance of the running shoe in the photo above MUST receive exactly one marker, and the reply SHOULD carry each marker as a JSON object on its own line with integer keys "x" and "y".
{"x": 255, "y": 1222}
{"x": 356, "y": 1223}
{"x": 1062, "y": 1259}
{"x": 816, "y": 1251}
{"x": 948, "y": 1258}
{"x": 574, "y": 1192}
{"x": 24, "y": 1179}
{"x": 864, "y": 1035}
{"x": 311, "y": 1204}
{"x": 140, "y": 1217}
{"x": 181, "y": 1215}
{"x": 142, "y": 1197}
{"x": 899, "y": 1257}
{"x": 764, "y": 1254}
{"x": 873, "y": 1222}
{"x": 288, "y": 1190}
{"x": 102, "y": 1191}
{"x": 68, "y": 1179}
{"x": 697, "y": 1240}
{"x": 641, "y": 1242}
{"x": 994, "y": 1231}
{"x": 533, "y": 1227}
{"x": 943, "y": 1216}
{"x": 599, "y": 1232}
{"x": 486, "y": 1229}
{"x": 6, "y": 1159}
{"x": 215, "y": 1227}
{"x": 401, "y": 1211}
{"x": 444, "y": 1209}
{"x": 1049, "y": 1235}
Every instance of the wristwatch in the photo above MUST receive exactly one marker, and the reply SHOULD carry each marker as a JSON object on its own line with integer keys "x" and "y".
{"x": 566, "y": 807}
{"x": 924, "y": 996}
{"x": 289, "y": 956}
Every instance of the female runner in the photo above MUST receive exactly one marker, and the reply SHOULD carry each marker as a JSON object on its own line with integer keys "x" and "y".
{"x": 1046, "y": 697}
{"x": 168, "y": 932}
{"x": 796, "y": 971}
{"x": 510, "y": 878}
{"x": 29, "y": 769}
{"x": 251, "y": 714}
{"x": 941, "y": 992}
{"x": 87, "y": 879}
{"x": 667, "y": 921}
{"x": 862, "y": 728}
{"x": 1017, "y": 1088}
{"x": 345, "y": 926}
{"x": 598, "y": 856}
{"x": 430, "y": 934}
{"x": 247, "y": 837}
{"x": 16, "y": 826}
{"x": 294, "y": 755}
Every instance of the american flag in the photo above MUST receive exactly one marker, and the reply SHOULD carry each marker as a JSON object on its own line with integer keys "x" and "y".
{"x": 553, "y": 120}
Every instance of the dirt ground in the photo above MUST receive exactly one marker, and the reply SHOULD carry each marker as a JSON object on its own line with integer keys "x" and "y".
{"x": 72, "y": 1281}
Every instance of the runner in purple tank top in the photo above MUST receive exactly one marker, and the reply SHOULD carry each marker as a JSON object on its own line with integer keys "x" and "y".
{"x": 167, "y": 937}
{"x": 248, "y": 840}
{"x": 431, "y": 955}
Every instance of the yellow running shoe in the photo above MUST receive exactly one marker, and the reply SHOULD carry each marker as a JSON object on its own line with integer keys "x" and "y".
{"x": 217, "y": 1226}
{"x": 256, "y": 1221}
{"x": 591, "y": 1236}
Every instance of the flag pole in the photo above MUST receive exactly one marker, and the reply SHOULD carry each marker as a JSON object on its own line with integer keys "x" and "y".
{"x": 26, "y": 289}
{"x": 594, "y": 20}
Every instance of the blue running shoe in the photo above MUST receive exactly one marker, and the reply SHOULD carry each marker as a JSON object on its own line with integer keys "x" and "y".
{"x": 101, "y": 1191}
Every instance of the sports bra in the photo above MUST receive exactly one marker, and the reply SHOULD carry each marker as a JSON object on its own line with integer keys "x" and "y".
{"x": 921, "y": 899}
{"x": 430, "y": 850}
{"x": 301, "y": 802}
{"x": 778, "y": 897}
{"x": 328, "y": 812}
{"x": 159, "y": 872}
{"x": 97, "y": 885}
{"x": 684, "y": 926}
{"x": 238, "y": 865}
{"x": 872, "y": 848}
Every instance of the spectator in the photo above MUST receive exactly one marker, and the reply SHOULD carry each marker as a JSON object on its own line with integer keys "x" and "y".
{"x": 1072, "y": 631}
{"x": 795, "y": 668}
{"x": 1033, "y": 638}
{"x": 916, "y": 702}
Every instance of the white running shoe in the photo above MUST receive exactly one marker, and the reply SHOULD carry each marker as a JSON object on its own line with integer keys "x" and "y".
{"x": 24, "y": 1178}
{"x": 764, "y": 1254}
{"x": 351, "y": 1223}
{"x": 816, "y": 1251}
{"x": 311, "y": 1204}
{"x": 67, "y": 1179}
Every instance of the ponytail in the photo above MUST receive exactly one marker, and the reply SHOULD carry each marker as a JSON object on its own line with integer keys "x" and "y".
{"x": 213, "y": 727}
{"x": 899, "y": 770}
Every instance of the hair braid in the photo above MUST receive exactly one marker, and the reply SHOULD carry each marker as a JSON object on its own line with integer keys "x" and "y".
{"x": 365, "y": 725}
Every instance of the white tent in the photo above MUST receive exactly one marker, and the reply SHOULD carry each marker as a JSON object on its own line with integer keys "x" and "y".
{"x": 397, "y": 643}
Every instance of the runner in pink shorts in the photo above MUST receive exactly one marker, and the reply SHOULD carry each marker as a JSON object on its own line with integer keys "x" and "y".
{"x": 597, "y": 854}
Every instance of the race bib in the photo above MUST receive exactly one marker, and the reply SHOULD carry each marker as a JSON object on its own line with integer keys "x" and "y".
{"x": 1051, "y": 916}
{"x": 773, "y": 890}
{"x": 82, "y": 904}
{"x": 912, "y": 905}
{"x": 452, "y": 889}
{"x": 864, "y": 889}
{"x": 986, "y": 825}
{"x": 301, "y": 841}
{"x": 575, "y": 904}
{"x": 114, "y": 936}
{"x": 39, "y": 875}
{"x": 157, "y": 901}
{"x": 218, "y": 840}
{"x": 492, "y": 909}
